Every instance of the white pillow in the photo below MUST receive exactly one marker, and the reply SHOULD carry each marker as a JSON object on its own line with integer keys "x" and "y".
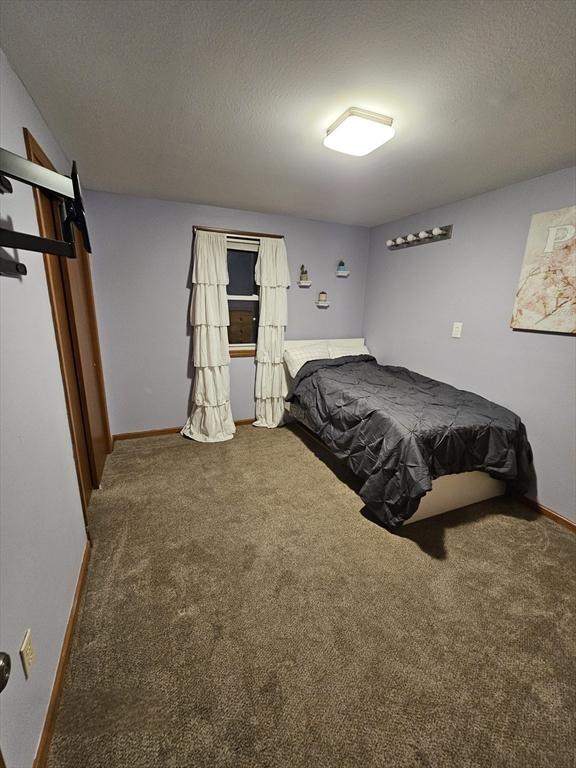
{"x": 296, "y": 357}
{"x": 343, "y": 349}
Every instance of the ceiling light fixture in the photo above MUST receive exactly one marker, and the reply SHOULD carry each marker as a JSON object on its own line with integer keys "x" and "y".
{"x": 359, "y": 132}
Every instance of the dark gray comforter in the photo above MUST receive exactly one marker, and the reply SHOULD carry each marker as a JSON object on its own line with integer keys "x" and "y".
{"x": 398, "y": 430}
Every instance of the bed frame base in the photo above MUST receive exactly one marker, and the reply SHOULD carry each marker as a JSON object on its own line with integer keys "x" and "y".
{"x": 454, "y": 491}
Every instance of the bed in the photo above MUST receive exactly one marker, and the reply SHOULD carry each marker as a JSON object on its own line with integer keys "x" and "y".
{"x": 420, "y": 446}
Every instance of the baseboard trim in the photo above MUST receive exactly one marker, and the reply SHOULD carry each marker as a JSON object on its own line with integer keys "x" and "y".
{"x": 50, "y": 719}
{"x": 147, "y": 433}
{"x": 166, "y": 431}
{"x": 547, "y": 512}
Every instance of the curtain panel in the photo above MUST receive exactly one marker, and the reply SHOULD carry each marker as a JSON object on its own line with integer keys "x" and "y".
{"x": 273, "y": 277}
{"x": 210, "y": 419}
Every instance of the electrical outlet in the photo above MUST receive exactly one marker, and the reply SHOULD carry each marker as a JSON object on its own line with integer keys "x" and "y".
{"x": 27, "y": 653}
{"x": 457, "y": 330}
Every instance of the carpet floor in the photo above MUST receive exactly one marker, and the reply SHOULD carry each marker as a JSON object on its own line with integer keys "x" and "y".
{"x": 241, "y": 612}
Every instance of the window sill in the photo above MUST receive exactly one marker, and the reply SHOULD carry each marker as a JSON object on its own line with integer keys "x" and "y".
{"x": 242, "y": 350}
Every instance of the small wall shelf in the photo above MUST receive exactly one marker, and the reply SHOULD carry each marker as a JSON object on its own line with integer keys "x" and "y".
{"x": 304, "y": 283}
{"x": 322, "y": 304}
{"x": 342, "y": 273}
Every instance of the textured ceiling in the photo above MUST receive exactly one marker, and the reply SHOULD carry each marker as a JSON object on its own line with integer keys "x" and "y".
{"x": 226, "y": 102}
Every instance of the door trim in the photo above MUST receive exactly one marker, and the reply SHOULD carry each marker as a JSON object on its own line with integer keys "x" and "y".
{"x": 54, "y": 277}
{"x": 54, "y": 283}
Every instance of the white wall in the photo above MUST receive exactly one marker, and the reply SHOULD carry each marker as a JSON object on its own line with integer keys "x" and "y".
{"x": 414, "y": 295}
{"x": 41, "y": 527}
{"x": 141, "y": 264}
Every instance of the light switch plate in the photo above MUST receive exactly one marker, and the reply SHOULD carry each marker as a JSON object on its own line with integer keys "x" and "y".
{"x": 27, "y": 653}
{"x": 457, "y": 330}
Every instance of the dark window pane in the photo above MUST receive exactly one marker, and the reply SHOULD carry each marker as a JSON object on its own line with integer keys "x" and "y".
{"x": 241, "y": 266}
{"x": 243, "y": 328}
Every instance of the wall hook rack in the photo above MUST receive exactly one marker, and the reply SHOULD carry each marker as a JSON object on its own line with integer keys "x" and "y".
{"x": 420, "y": 238}
{"x": 65, "y": 189}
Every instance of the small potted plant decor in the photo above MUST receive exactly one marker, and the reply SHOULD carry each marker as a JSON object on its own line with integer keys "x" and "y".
{"x": 304, "y": 281}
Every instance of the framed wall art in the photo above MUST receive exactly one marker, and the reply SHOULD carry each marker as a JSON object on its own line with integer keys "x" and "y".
{"x": 546, "y": 295}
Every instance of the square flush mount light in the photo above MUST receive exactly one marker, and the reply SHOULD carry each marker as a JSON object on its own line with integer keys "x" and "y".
{"x": 359, "y": 132}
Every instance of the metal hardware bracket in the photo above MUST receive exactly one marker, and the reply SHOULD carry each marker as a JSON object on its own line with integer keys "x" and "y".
{"x": 64, "y": 188}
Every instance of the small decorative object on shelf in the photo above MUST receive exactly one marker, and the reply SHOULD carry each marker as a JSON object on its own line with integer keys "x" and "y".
{"x": 304, "y": 281}
{"x": 342, "y": 270}
{"x": 322, "y": 299}
{"x": 420, "y": 238}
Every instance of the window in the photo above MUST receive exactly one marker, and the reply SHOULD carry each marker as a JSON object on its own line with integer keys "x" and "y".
{"x": 243, "y": 299}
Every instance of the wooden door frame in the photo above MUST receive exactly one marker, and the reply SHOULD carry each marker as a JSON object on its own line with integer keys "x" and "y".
{"x": 53, "y": 278}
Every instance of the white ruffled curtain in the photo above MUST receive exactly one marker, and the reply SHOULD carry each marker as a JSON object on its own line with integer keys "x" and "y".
{"x": 210, "y": 420}
{"x": 273, "y": 278}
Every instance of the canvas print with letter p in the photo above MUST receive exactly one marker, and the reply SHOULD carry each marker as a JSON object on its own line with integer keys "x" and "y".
{"x": 546, "y": 295}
